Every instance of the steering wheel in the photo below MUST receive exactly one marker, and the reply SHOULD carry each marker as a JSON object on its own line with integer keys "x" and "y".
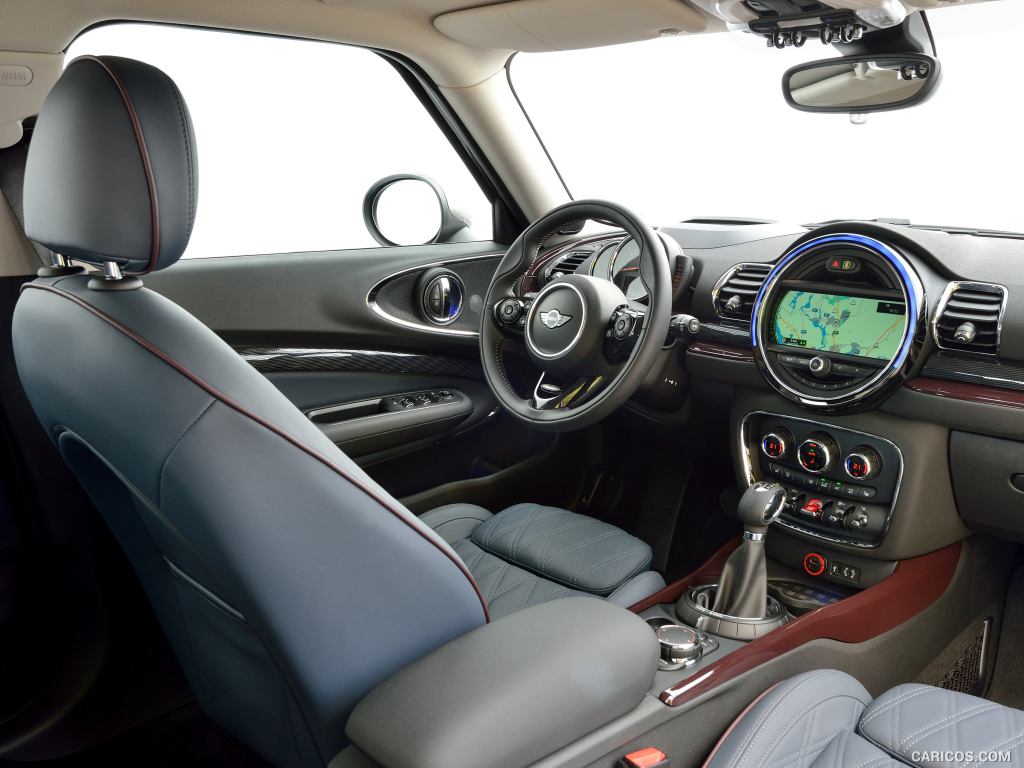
{"x": 593, "y": 346}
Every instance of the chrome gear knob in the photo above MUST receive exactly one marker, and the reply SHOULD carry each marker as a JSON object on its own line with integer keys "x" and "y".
{"x": 760, "y": 504}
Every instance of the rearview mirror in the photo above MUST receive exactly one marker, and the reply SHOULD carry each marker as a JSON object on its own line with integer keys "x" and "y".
{"x": 867, "y": 83}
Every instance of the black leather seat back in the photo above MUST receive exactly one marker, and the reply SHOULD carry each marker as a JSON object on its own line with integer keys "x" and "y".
{"x": 288, "y": 582}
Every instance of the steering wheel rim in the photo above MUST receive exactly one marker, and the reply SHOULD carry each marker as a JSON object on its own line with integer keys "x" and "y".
{"x": 650, "y": 339}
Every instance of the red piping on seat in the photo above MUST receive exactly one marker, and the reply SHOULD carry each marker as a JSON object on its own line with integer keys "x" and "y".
{"x": 147, "y": 166}
{"x": 217, "y": 394}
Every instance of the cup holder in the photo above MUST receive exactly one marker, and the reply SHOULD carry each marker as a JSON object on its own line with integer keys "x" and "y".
{"x": 694, "y": 609}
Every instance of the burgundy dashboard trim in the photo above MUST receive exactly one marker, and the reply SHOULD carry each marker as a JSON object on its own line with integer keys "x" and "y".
{"x": 721, "y": 351}
{"x": 971, "y": 393}
{"x": 913, "y": 586}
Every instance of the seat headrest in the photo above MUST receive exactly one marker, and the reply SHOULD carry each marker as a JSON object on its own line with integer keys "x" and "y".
{"x": 111, "y": 169}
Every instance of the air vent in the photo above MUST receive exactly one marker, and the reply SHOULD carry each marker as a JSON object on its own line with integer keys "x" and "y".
{"x": 734, "y": 294}
{"x": 969, "y": 317}
{"x": 568, "y": 264}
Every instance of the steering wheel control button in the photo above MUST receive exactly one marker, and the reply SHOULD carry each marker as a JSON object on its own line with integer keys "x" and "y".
{"x": 817, "y": 454}
{"x": 863, "y": 463}
{"x": 815, "y": 564}
{"x": 509, "y": 311}
{"x": 680, "y": 646}
{"x": 622, "y": 326}
{"x": 777, "y": 443}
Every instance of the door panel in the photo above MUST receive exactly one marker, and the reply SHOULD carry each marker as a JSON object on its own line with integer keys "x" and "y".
{"x": 324, "y": 299}
{"x": 348, "y": 329}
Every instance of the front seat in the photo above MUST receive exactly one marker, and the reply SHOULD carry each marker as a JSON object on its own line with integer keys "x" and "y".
{"x": 826, "y": 719}
{"x": 289, "y": 583}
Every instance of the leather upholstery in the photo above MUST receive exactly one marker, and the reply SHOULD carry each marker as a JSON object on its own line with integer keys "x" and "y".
{"x": 278, "y": 569}
{"x": 454, "y": 522}
{"x": 573, "y": 550}
{"x": 510, "y": 693}
{"x": 111, "y": 170}
{"x": 529, "y": 554}
{"x": 914, "y": 719}
{"x": 826, "y": 719}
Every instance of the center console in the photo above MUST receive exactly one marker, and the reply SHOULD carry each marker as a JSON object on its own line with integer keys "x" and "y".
{"x": 842, "y": 484}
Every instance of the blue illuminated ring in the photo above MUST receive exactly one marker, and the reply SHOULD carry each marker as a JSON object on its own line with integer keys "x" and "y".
{"x": 912, "y": 292}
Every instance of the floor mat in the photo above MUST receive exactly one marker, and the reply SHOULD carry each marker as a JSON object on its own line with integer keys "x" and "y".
{"x": 1008, "y": 678}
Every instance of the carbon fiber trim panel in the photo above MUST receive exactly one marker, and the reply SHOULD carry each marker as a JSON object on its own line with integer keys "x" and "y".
{"x": 294, "y": 359}
{"x": 985, "y": 371}
{"x": 721, "y": 333}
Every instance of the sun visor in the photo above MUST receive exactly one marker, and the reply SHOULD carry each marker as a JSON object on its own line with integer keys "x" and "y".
{"x": 556, "y": 25}
{"x": 25, "y": 79}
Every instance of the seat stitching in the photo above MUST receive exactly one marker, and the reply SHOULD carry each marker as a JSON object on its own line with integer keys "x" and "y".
{"x": 903, "y": 697}
{"x": 954, "y": 719}
{"x": 768, "y": 715}
{"x": 167, "y": 458}
{"x": 269, "y": 426}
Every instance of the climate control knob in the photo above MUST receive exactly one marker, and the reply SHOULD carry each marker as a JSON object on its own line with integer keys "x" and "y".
{"x": 778, "y": 443}
{"x": 863, "y": 463}
{"x": 818, "y": 453}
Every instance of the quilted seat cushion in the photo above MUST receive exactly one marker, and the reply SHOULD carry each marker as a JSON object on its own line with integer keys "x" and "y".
{"x": 573, "y": 550}
{"x": 826, "y": 719}
{"x": 922, "y": 725}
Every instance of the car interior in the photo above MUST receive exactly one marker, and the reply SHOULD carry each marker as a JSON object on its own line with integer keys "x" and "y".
{"x": 377, "y": 390}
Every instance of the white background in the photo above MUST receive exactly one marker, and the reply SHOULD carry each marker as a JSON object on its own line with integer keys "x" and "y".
{"x": 697, "y": 126}
{"x": 292, "y": 133}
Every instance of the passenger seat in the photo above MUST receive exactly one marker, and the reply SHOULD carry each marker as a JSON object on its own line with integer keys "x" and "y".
{"x": 826, "y": 719}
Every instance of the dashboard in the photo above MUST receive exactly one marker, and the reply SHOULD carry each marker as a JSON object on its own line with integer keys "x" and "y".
{"x": 876, "y": 371}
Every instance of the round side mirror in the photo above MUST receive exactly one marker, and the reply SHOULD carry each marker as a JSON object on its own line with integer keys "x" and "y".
{"x": 407, "y": 209}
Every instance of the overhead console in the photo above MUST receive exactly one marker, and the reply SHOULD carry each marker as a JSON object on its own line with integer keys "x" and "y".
{"x": 838, "y": 322}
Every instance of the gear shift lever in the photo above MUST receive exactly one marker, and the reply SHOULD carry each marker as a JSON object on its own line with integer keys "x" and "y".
{"x": 743, "y": 589}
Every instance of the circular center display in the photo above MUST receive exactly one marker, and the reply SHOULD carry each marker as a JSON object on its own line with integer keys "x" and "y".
{"x": 834, "y": 324}
{"x": 556, "y": 321}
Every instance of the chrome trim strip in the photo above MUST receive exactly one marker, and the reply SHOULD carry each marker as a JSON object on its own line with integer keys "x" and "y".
{"x": 371, "y": 297}
{"x": 913, "y": 296}
{"x": 969, "y": 285}
{"x": 551, "y": 288}
{"x": 748, "y": 464}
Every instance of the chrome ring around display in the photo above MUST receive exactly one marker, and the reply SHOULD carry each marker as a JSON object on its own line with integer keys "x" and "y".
{"x": 913, "y": 296}
{"x": 527, "y": 331}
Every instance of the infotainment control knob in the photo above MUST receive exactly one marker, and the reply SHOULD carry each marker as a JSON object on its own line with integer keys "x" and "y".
{"x": 778, "y": 443}
{"x": 818, "y": 453}
{"x": 863, "y": 463}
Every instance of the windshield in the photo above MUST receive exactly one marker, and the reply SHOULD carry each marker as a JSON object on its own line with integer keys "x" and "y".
{"x": 697, "y": 127}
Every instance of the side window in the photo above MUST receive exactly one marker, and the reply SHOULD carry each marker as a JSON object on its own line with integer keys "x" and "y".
{"x": 291, "y": 136}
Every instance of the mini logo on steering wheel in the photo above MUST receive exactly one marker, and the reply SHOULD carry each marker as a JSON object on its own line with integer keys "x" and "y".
{"x": 554, "y": 319}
